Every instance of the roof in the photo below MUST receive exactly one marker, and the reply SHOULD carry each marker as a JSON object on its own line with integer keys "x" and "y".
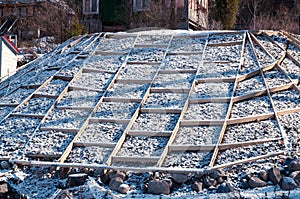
{"x": 12, "y": 46}
{"x": 157, "y": 100}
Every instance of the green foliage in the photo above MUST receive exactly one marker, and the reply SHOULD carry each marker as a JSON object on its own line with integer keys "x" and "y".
{"x": 75, "y": 29}
{"x": 226, "y": 12}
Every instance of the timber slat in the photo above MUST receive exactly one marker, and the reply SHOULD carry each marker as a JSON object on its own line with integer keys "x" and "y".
{"x": 149, "y": 133}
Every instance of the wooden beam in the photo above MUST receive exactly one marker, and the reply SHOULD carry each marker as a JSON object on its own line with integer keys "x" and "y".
{"x": 149, "y": 133}
{"x": 161, "y": 110}
{"x": 74, "y": 88}
{"x": 97, "y": 144}
{"x": 67, "y": 130}
{"x": 202, "y": 122}
{"x": 37, "y": 95}
{"x": 232, "y": 43}
{"x": 250, "y": 118}
{"x": 178, "y": 148}
{"x": 26, "y": 115}
{"x": 92, "y": 70}
{"x": 209, "y": 100}
{"x": 151, "y": 45}
{"x": 109, "y": 120}
{"x": 215, "y": 80}
{"x": 133, "y": 81}
{"x": 121, "y": 99}
{"x": 169, "y": 90}
{"x": 137, "y": 159}
{"x": 179, "y": 71}
{"x": 74, "y": 108}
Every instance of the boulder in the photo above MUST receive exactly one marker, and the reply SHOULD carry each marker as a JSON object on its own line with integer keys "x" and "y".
{"x": 119, "y": 174}
{"x": 159, "y": 187}
{"x": 296, "y": 176}
{"x": 216, "y": 174}
{"x": 77, "y": 179}
{"x": 256, "y": 182}
{"x": 5, "y": 165}
{"x": 115, "y": 183}
{"x": 209, "y": 182}
{"x": 197, "y": 186}
{"x": 263, "y": 175}
{"x": 294, "y": 165}
{"x": 274, "y": 175}
{"x": 288, "y": 183}
{"x": 180, "y": 178}
{"x": 123, "y": 188}
{"x": 225, "y": 188}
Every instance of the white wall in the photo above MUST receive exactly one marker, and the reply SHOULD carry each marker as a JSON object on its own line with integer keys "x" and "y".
{"x": 8, "y": 60}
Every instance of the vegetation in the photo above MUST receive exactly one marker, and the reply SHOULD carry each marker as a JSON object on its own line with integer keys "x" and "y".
{"x": 226, "y": 12}
{"x": 75, "y": 30}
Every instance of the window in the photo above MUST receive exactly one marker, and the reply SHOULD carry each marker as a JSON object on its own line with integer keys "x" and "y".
{"x": 141, "y": 5}
{"x": 90, "y": 6}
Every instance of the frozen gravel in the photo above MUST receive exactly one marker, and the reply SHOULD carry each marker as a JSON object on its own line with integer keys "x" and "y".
{"x": 71, "y": 69}
{"x": 223, "y": 38}
{"x": 104, "y": 62}
{"x": 94, "y": 80}
{"x": 280, "y": 40}
{"x": 250, "y": 85}
{"x": 54, "y": 88}
{"x": 272, "y": 48}
{"x": 223, "y": 53}
{"x": 206, "y": 111}
{"x": 155, "y": 122}
{"x": 146, "y": 55}
{"x": 111, "y": 44}
{"x": 178, "y": 62}
{"x": 275, "y": 78}
{"x": 133, "y": 71}
{"x": 80, "y": 98}
{"x": 295, "y": 52}
{"x": 211, "y": 90}
{"x": 200, "y": 135}
{"x": 215, "y": 70}
{"x": 251, "y": 131}
{"x": 187, "y": 45}
{"x": 50, "y": 143}
{"x": 128, "y": 90}
{"x": 291, "y": 68}
{"x": 35, "y": 106}
{"x": 102, "y": 133}
{"x": 4, "y": 111}
{"x": 165, "y": 100}
{"x": 153, "y": 39}
{"x": 263, "y": 58}
{"x": 177, "y": 80}
{"x": 288, "y": 99}
{"x": 17, "y": 96}
{"x": 143, "y": 146}
{"x": 251, "y": 107}
{"x": 116, "y": 110}
{"x": 250, "y": 62}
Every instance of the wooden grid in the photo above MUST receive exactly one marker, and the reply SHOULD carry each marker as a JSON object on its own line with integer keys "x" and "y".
{"x": 151, "y": 86}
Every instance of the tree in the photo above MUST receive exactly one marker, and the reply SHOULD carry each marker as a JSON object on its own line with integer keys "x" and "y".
{"x": 75, "y": 30}
{"x": 226, "y": 12}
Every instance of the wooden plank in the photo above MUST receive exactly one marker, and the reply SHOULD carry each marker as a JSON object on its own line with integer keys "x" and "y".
{"x": 209, "y": 100}
{"x": 215, "y": 80}
{"x": 109, "y": 120}
{"x": 33, "y": 86}
{"x": 136, "y": 159}
{"x": 97, "y": 144}
{"x": 178, "y": 148}
{"x": 144, "y": 62}
{"x": 202, "y": 122}
{"x": 149, "y": 133}
{"x": 247, "y": 143}
{"x": 73, "y": 88}
{"x": 37, "y": 95}
{"x": 288, "y": 111}
{"x": 133, "y": 81}
{"x": 121, "y": 99}
{"x": 109, "y": 53}
{"x": 43, "y": 156}
{"x": 161, "y": 110}
{"x": 182, "y": 71}
{"x": 170, "y": 90}
{"x": 248, "y": 75}
{"x": 232, "y": 43}
{"x": 9, "y": 105}
{"x": 250, "y": 95}
{"x": 250, "y": 118}
{"x": 67, "y": 130}
{"x": 252, "y": 159}
{"x": 74, "y": 108}
{"x": 64, "y": 78}
{"x": 93, "y": 70}
{"x": 150, "y": 45}
{"x": 281, "y": 88}
{"x": 26, "y": 115}
{"x": 184, "y": 53}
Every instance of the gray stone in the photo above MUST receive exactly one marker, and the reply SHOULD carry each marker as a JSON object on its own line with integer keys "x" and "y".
{"x": 293, "y": 166}
{"x": 274, "y": 175}
{"x": 5, "y": 165}
{"x": 77, "y": 179}
{"x": 115, "y": 183}
{"x": 114, "y": 174}
{"x": 209, "y": 182}
{"x": 263, "y": 175}
{"x": 288, "y": 183}
{"x": 216, "y": 174}
{"x": 296, "y": 176}
{"x": 225, "y": 188}
{"x": 158, "y": 187}
{"x": 180, "y": 178}
{"x": 123, "y": 188}
{"x": 197, "y": 186}
{"x": 256, "y": 182}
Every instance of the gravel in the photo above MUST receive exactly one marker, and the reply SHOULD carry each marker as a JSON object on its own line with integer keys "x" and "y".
{"x": 71, "y": 69}
{"x": 49, "y": 143}
{"x": 89, "y": 155}
{"x": 54, "y": 88}
{"x": 272, "y": 48}
{"x": 153, "y": 39}
{"x": 4, "y": 111}
{"x": 293, "y": 51}
{"x": 250, "y": 85}
{"x": 108, "y": 62}
{"x": 128, "y": 90}
{"x": 98, "y": 81}
{"x": 165, "y": 100}
{"x": 116, "y": 110}
{"x": 251, "y": 131}
{"x": 66, "y": 118}
{"x": 263, "y": 58}
{"x": 177, "y": 80}
{"x": 102, "y": 133}
{"x": 80, "y": 98}
{"x": 17, "y": 96}
{"x": 288, "y": 99}
{"x": 280, "y": 40}
{"x": 251, "y": 107}
{"x": 291, "y": 68}
{"x": 200, "y": 135}
{"x": 211, "y": 90}
{"x": 275, "y": 78}
{"x": 188, "y": 159}
{"x": 146, "y": 55}
{"x": 206, "y": 111}
{"x": 215, "y": 70}
{"x": 178, "y": 62}
{"x": 143, "y": 146}
{"x": 243, "y": 153}
{"x": 144, "y": 72}
{"x": 155, "y": 122}
{"x": 223, "y": 38}
{"x": 36, "y": 106}
{"x": 223, "y": 53}
{"x": 250, "y": 62}
{"x": 116, "y": 44}
{"x": 14, "y": 133}
{"x": 41, "y": 77}
{"x": 187, "y": 45}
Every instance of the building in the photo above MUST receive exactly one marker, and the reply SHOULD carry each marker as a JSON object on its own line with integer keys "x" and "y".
{"x": 8, "y": 57}
{"x": 114, "y": 15}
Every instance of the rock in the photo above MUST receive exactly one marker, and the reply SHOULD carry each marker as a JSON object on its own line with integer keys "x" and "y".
{"x": 244, "y": 184}
{"x": 77, "y": 179}
{"x": 293, "y": 166}
{"x": 5, "y": 165}
{"x": 216, "y": 174}
{"x": 64, "y": 173}
{"x": 220, "y": 180}
{"x": 105, "y": 179}
{"x": 263, "y": 175}
{"x": 123, "y": 188}
{"x": 256, "y": 182}
{"x": 197, "y": 186}
{"x": 274, "y": 175}
{"x": 180, "y": 178}
{"x": 225, "y": 188}
{"x": 115, "y": 183}
{"x": 158, "y": 187}
{"x": 3, "y": 188}
{"x": 114, "y": 174}
{"x": 208, "y": 181}
{"x": 296, "y": 176}
{"x": 288, "y": 183}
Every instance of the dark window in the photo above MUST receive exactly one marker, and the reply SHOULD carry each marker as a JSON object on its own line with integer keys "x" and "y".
{"x": 90, "y": 6}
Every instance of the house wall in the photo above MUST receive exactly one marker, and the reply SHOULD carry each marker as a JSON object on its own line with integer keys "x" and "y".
{"x": 8, "y": 60}
{"x": 198, "y": 12}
